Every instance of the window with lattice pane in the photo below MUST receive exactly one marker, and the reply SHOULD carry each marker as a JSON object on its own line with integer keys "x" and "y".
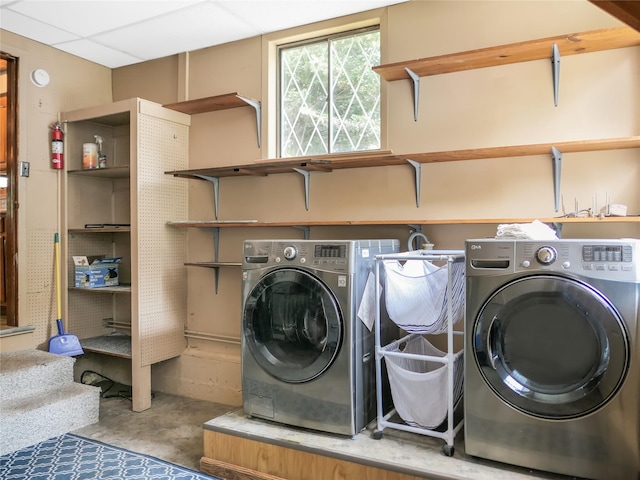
{"x": 329, "y": 95}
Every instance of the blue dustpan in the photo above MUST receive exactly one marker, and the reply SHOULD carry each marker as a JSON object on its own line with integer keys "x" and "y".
{"x": 63, "y": 343}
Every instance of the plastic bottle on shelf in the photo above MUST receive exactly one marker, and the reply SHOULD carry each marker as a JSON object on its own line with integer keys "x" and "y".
{"x": 102, "y": 157}
{"x": 89, "y": 156}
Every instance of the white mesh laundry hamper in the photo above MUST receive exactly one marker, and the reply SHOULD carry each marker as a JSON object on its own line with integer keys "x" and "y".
{"x": 417, "y": 295}
{"x": 419, "y": 387}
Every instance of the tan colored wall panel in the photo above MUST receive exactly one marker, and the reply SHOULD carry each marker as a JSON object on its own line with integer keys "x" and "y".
{"x": 133, "y": 80}
{"x": 74, "y": 83}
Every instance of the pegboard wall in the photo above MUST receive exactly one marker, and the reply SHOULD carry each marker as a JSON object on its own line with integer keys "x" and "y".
{"x": 41, "y": 295}
{"x": 162, "y": 283}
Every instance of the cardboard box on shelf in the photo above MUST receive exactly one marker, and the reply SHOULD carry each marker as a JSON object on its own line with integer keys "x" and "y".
{"x": 96, "y": 272}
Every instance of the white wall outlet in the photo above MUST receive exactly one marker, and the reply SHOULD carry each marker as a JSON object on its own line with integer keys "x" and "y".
{"x": 24, "y": 169}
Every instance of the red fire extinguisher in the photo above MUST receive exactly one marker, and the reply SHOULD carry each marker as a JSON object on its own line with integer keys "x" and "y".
{"x": 57, "y": 146}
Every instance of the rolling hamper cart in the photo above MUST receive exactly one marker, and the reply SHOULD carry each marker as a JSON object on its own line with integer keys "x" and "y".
{"x": 426, "y": 383}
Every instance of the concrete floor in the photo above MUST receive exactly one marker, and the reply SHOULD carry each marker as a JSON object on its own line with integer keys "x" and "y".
{"x": 170, "y": 430}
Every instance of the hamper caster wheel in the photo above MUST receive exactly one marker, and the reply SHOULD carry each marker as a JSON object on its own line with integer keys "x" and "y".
{"x": 377, "y": 435}
{"x": 448, "y": 450}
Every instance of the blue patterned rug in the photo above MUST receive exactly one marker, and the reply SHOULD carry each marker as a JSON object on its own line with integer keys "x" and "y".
{"x": 70, "y": 457}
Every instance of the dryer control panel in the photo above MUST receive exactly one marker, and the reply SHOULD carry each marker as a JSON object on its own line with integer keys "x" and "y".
{"x": 606, "y": 259}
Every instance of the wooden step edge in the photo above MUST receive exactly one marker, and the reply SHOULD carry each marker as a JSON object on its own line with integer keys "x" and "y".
{"x": 228, "y": 471}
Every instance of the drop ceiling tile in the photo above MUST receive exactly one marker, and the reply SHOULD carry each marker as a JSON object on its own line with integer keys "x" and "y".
{"x": 272, "y": 15}
{"x": 88, "y": 17}
{"x": 207, "y": 23}
{"x": 97, "y": 53}
{"x": 131, "y": 31}
{"x": 33, "y": 29}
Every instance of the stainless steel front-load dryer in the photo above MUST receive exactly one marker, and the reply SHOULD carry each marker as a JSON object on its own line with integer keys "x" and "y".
{"x": 552, "y": 360}
{"x": 307, "y": 359}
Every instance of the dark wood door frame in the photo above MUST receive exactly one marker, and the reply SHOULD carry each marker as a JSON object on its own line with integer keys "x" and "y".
{"x": 11, "y": 155}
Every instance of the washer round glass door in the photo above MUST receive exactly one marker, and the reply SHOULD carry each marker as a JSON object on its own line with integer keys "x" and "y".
{"x": 292, "y": 325}
{"x": 551, "y": 347}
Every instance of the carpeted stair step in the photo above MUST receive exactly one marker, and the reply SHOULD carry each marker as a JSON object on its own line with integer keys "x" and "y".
{"x": 29, "y": 372}
{"x": 40, "y": 400}
{"x": 37, "y": 417}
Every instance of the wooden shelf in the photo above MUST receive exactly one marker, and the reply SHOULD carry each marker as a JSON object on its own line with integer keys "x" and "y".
{"x": 210, "y": 104}
{"x": 321, "y": 163}
{"x": 339, "y": 223}
{"x": 122, "y": 288}
{"x": 110, "y": 173}
{"x": 213, "y": 264}
{"x": 114, "y": 345}
{"x": 571, "y": 44}
{"x": 101, "y": 230}
{"x": 327, "y": 163}
{"x": 525, "y": 150}
{"x": 220, "y": 102}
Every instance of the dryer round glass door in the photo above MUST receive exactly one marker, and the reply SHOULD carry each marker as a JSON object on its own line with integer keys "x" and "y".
{"x": 292, "y": 325}
{"x": 551, "y": 346}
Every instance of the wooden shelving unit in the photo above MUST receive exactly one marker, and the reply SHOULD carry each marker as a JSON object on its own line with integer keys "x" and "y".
{"x": 570, "y": 44}
{"x": 463, "y": 221}
{"x": 546, "y": 48}
{"x": 123, "y": 205}
{"x": 328, "y": 163}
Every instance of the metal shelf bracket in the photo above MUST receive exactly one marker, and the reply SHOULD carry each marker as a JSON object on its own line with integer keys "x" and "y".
{"x": 415, "y": 83}
{"x": 216, "y": 244}
{"x": 417, "y": 167}
{"x": 215, "y": 181}
{"x": 555, "y": 66}
{"x": 556, "y": 156}
{"x": 257, "y": 106}
{"x": 306, "y": 230}
{"x": 306, "y": 176}
{"x": 557, "y": 226}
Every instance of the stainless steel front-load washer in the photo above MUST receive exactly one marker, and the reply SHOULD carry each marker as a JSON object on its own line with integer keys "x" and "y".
{"x": 552, "y": 360}
{"x": 307, "y": 359}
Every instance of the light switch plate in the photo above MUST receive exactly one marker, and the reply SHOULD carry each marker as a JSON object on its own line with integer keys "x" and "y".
{"x": 24, "y": 169}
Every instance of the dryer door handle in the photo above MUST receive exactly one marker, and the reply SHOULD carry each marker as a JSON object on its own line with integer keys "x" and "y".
{"x": 492, "y": 325}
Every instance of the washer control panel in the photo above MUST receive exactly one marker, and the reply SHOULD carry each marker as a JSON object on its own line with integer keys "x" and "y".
{"x": 325, "y": 255}
{"x": 607, "y": 253}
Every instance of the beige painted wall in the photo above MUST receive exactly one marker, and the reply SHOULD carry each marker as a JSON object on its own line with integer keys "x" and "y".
{"x": 75, "y": 83}
{"x": 509, "y": 105}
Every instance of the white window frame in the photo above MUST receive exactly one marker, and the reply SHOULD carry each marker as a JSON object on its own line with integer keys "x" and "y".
{"x": 270, "y": 65}
{"x": 317, "y": 40}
